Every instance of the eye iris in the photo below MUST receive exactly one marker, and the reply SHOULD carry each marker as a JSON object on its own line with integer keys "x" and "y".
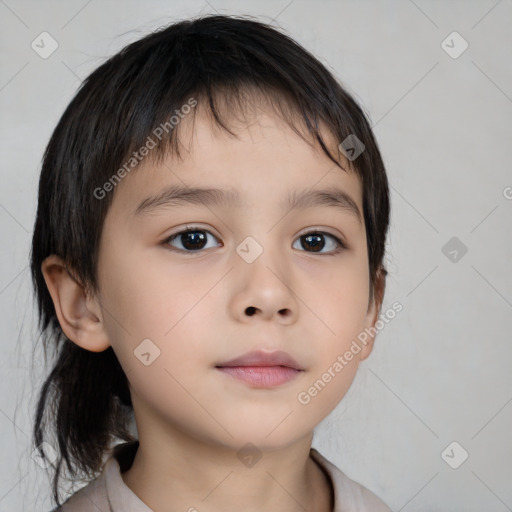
{"x": 190, "y": 239}
{"x": 315, "y": 241}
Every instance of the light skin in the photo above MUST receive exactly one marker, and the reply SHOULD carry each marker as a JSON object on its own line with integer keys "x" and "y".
{"x": 192, "y": 419}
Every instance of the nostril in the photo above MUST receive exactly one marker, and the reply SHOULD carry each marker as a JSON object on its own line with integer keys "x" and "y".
{"x": 250, "y": 310}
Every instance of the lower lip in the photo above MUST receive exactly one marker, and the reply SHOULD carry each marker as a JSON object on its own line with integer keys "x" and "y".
{"x": 261, "y": 376}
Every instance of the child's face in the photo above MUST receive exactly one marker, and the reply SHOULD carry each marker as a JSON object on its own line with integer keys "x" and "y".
{"x": 193, "y": 305}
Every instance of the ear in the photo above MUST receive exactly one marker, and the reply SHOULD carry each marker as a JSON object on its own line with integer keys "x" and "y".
{"x": 372, "y": 316}
{"x": 79, "y": 314}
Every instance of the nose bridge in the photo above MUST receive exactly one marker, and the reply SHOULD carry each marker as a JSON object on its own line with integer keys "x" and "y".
{"x": 263, "y": 277}
{"x": 260, "y": 253}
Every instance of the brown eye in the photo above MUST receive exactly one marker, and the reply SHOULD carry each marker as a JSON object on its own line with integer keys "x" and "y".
{"x": 316, "y": 241}
{"x": 190, "y": 240}
{"x": 196, "y": 239}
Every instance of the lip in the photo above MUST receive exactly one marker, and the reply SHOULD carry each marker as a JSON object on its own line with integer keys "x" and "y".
{"x": 263, "y": 359}
{"x": 262, "y": 369}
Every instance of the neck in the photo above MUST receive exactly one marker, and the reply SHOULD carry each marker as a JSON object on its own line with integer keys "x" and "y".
{"x": 179, "y": 473}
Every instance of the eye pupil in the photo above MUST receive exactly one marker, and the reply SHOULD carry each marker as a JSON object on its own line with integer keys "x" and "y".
{"x": 190, "y": 240}
{"x": 315, "y": 241}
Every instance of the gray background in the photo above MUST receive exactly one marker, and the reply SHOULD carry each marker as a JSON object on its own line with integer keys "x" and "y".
{"x": 441, "y": 370}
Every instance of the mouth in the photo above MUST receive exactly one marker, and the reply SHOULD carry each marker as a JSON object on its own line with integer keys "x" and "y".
{"x": 262, "y": 369}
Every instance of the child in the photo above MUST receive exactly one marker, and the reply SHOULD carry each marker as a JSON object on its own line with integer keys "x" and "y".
{"x": 208, "y": 247}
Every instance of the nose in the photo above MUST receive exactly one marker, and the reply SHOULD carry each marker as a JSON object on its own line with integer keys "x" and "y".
{"x": 263, "y": 290}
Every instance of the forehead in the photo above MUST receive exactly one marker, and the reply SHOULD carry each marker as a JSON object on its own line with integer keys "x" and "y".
{"x": 266, "y": 163}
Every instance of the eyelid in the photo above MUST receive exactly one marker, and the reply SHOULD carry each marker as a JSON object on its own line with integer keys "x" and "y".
{"x": 192, "y": 227}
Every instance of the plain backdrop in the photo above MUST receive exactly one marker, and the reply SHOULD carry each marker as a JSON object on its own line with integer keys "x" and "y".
{"x": 441, "y": 369}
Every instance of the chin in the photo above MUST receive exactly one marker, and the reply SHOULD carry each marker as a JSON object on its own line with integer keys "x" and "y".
{"x": 265, "y": 440}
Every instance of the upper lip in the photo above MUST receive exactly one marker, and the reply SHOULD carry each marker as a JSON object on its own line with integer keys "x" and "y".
{"x": 259, "y": 358}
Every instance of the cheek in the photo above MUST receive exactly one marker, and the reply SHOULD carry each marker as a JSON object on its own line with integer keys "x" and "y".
{"x": 325, "y": 390}
{"x": 342, "y": 299}
{"x": 342, "y": 306}
{"x": 148, "y": 296}
{"x": 164, "y": 395}
{"x": 165, "y": 305}
{"x": 336, "y": 354}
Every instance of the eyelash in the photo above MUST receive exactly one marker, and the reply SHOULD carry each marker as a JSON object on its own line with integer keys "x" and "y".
{"x": 340, "y": 245}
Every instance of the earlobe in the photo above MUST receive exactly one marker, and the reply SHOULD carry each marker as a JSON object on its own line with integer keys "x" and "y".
{"x": 79, "y": 315}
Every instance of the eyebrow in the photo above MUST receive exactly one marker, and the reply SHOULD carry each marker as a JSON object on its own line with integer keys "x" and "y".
{"x": 177, "y": 195}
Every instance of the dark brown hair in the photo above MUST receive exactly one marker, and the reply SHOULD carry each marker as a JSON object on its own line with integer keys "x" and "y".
{"x": 85, "y": 401}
